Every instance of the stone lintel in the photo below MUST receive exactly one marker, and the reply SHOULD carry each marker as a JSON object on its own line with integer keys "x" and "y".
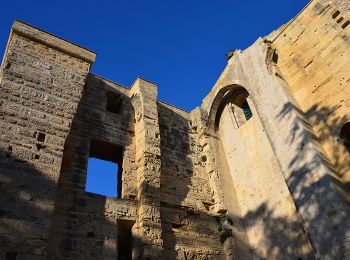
{"x": 53, "y": 41}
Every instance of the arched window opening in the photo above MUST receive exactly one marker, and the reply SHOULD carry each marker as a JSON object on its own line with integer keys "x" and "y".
{"x": 240, "y": 108}
{"x": 345, "y": 135}
{"x": 236, "y": 101}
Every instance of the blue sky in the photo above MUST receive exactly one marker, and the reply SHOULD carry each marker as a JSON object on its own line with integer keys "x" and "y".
{"x": 180, "y": 45}
{"x": 102, "y": 177}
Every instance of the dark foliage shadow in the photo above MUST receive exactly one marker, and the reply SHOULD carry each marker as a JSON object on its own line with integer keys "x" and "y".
{"x": 327, "y": 194}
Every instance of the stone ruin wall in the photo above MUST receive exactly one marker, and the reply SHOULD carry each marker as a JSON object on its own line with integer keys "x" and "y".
{"x": 194, "y": 185}
{"x": 52, "y": 108}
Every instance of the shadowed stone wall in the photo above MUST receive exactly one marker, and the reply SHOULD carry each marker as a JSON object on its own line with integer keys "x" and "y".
{"x": 42, "y": 82}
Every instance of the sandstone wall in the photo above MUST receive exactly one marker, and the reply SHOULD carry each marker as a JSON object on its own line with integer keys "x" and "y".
{"x": 314, "y": 58}
{"x": 189, "y": 229}
{"x": 262, "y": 195}
{"x": 41, "y": 85}
{"x": 265, "y": 205}
{"x": 85, "y": 224}
{"x": 192, "y": 185}
{"x": 319, "y": 199}
{"x": 53, "y": 113}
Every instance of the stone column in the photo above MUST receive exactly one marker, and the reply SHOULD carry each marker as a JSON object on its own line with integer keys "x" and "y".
{"x": 144, "y": 100}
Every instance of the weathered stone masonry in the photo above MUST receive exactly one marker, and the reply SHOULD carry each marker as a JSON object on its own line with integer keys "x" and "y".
{"x": 259, "y": 170}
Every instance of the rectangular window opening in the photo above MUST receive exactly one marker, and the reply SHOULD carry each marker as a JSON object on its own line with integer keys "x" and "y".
{"x": 114, "y": 102}
{"x": 104, "y": 173}
{"x": 345, "y": 24}
{"x": 125, "y": 239}
{"x": 246, "y": 110}
{"x": 340, "y": 19}
{"x": 336, "y": 13}
{"x": 40, "y": 136}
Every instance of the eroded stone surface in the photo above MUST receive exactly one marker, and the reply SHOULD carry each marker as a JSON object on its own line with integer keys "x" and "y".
{"x": 219, "y": 182}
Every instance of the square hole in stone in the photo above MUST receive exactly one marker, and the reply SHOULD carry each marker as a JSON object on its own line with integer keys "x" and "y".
{"x": 40, "y": 137}
{"x": 114, "y": 102}
{"x": 104, "y": 169}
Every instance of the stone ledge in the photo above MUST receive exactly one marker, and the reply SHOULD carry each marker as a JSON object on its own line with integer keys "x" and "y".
{"x": 53, "y": 41}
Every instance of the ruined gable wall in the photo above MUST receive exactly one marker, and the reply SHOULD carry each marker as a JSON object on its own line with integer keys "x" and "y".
{"x": 314, "y": 59}
{"x": 42, "y": 82}
{"x": 264, "y": 202}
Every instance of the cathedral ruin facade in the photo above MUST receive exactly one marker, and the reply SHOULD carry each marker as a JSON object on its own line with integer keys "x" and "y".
{"x": 260, "y": 170}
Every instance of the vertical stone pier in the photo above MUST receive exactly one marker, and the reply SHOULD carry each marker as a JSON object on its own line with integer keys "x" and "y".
{"x": 144, "y": 100}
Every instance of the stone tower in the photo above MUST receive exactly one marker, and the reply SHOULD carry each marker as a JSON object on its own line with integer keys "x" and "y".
{"x": 259, "y": 171}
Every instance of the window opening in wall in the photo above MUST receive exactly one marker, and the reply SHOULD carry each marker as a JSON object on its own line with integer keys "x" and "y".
{"x": 40, "y": 136}
{"x": 114, "y": 102}
{"x": 345, "y": 135}
{"x": 10, "y": 256}
{"x": 336, "y": 13}
{"x": 345, "y": 24}
{"x": 340, "y": 19}
{"x": 236, "y": 101}
{"x": 125, "y": 239}
{"x": 240, "y": 108}
{"x": 246, "y": 110}
{"x": 104, "y": 172}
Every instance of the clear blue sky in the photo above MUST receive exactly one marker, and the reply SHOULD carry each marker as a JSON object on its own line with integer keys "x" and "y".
{"x": 178, "y": 44}
{"x": 102, "y": 177}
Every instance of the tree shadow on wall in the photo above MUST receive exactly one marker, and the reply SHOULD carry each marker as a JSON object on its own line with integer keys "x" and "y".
{"x": 284, "y": 237}
{"x": 320, "y": 196}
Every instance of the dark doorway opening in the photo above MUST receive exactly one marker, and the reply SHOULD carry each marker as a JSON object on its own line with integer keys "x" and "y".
{"x": 125, "y": 239}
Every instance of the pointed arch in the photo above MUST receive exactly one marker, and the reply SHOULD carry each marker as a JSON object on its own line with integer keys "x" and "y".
{"x": 231, "y": 92}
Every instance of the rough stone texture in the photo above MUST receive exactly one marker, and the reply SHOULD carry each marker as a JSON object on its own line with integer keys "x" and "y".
{"x": 317, "y": 73}
{"x": 206, "y": 184}
{"x": 40, "y": 89}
